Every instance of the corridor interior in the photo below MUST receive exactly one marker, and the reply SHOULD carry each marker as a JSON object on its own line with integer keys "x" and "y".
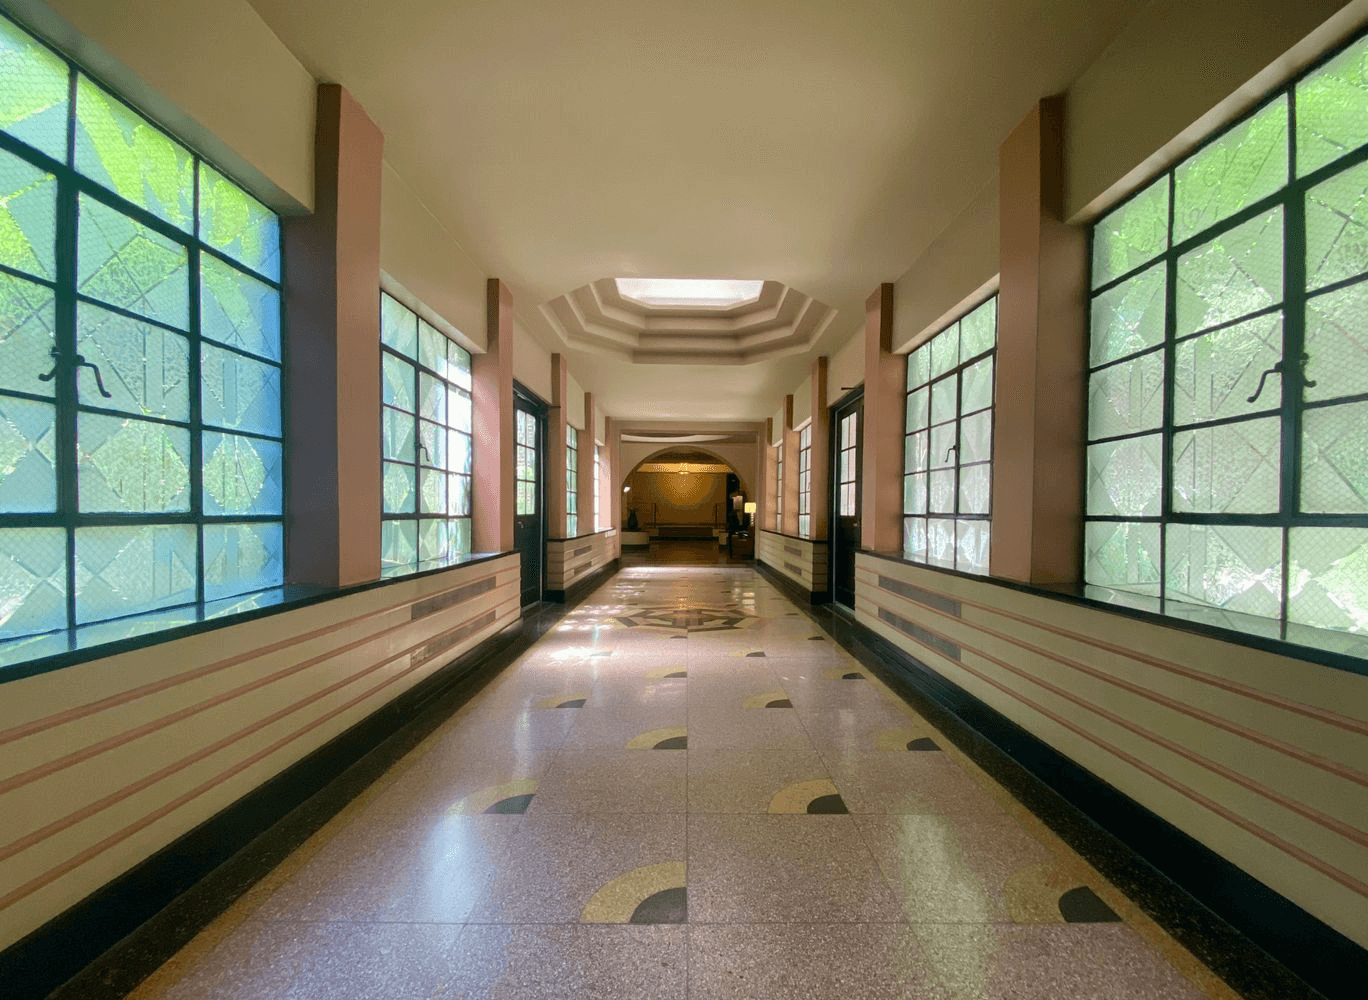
{"x": 684, "y": 788}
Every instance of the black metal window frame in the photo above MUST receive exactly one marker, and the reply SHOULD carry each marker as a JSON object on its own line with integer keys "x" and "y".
{"x": 72, "y": 190}
{"x": 917, "y": 492}
{"x": 805, "y": 481}
{"x": 423, "y": 460}
{"x": 571, "y": 481}
{"x": 1286, "y": 399}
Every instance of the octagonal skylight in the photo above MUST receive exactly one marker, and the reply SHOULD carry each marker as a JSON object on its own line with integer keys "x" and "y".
{"x": 689, "y": 291}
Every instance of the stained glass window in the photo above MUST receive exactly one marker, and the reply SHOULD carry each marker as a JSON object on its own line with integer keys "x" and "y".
{"x": 141, "y": 452}
{"x": 571, "y": 482}
{"x": 805, "y": 481}
{"x": 948, "y": 448}
{"x": 1228, "y": 394}
{"x": 425, "y": 443}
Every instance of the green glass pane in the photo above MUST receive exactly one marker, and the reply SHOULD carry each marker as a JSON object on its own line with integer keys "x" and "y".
{"x": 1328, "y": 579}
{"x": 919, "y": 367}
{"x": 398, "y": 382}
{"x": 133, "y": 466}
{"x": 28, "y": 217}
{"x": 28, "y": 476}
{"x": 976, "y": 386}
{"x": 945, "y": 350}
{"x": 1126, "y": 398}
{"x": 1122, "y": 554}
{"x": 976, "y": 438}
{"x": 944, "y": 400}
{"x": 27, "y": 318}
{"x": 33, "y": 580}
{"x": 128, "y": 265}
{"x": 458, "y": 496}
{"x": 432, "y": 539}
{"x": 1247, "y": 163}
{"x": 975, "y": 489}
{"x": 1334, "y": 476}
{"x": 145, "y": 369}
{"x": 1225, "y": 566}
{"x": 1237, "y": 273}
{"x": 940, "y": 542}
{"x": 117, "y": 148}
{"x": 125, "y": 571}
{"x": 1124, "y": 477}
{"x": 942, "y": 491}
{"x": 459, "y": 411}
{"x": 971, "y": 546}
{"x": 1337, "y": 228}
{"x": 398, "y": 326}
{"x": 238, "y": 310}
{"x": 237, "y": 225}
{"x": 978, "y": 330}
{"x": 396, "y": 435}
{"x": 432, "y": 491}
{"x": 943, "y": 446}
{"x": 432, "y": 397}
{"x": 1332, "y": 109}
{"x": 432, "y": 449}
{"x": 1129, "y": 317}
{"x": 571, "y": 525}
{"x": 1229, "y": 468}
{"x": 915, "y": 452}
{"x": 914, "y": 493}
{"x": 242, "y": 475}
{"x": 458, "y": 365}
{"x": 241, "y": 558}
{"x": 239, "y": 392}
{"x": 34, "y": 90}
{"x": 1337, "y": 343}
{"x": 914, "y": 538}
{"x": 432, "y": 348}
{"x": 460, "y": 541}
{"x": 1216, "y": 373}
{"x": 1135, "y": 233}
{"x": 399, "y": 488}
{"x": 398, "y": 544}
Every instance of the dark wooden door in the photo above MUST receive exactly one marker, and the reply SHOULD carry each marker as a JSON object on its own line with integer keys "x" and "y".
{"x": 529, "y": 517}
{"x": 846, "y": 434}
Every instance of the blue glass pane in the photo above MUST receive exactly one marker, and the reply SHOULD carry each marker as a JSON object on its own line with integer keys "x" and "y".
{"x": 238, "y": 310}
{"x": 396, "y": 434}
{"x": 239, "y": 558}
{"x": 238, "y": 392}
{"x": 28, "y": 478}
{"x": 398, "y": 544}
{"x": 145, "y": 369}
{"x": 33, "y": 580}
{"x": 118, "y": 148}
{"x": 28, "y": 217}
{"x": 125, "y": 571}
{"x": 27, "y": 317}
{"x": 242, "y": 475}
{"x": 34, "y": 90}
{"x": 130, "y": 266}
{"x": 126, "y": 465}
{"x": 237, "y": 225}
{"x": 398, "y": 326}
{"x": 398, "y": 383}
{"x": 399, "y": 488}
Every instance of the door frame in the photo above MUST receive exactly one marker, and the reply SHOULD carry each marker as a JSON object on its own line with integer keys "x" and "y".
{"x": 835, "y": 411}
{"x": 528, "y": 400}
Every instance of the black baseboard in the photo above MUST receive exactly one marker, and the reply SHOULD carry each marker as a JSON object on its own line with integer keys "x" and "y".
{"x": 582, "y": 588}
{"x": 105, "y": 945}
{"x": 791, "y": 588}
{"x": 1261, "y": 943}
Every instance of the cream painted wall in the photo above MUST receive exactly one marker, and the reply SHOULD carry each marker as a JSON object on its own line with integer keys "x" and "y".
{"x": 531, "y": 362}
{"x": 777, "y": 426}
{"x": 802, "y": 402}
{"x": 574, "y": 404}
{"x": 419, "y": 253}
{"x": 1151, "y": 93}
{"x": 845, "y": 368}
{"x": 210, "y": 70}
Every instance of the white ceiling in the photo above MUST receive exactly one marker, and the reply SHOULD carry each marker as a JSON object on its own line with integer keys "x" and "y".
{"x": 819, "y": 144}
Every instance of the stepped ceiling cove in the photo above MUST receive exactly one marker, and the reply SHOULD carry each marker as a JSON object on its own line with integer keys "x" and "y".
{"x": 818, "y": 147}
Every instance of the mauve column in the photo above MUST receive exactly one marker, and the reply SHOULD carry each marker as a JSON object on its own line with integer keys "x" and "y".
{"x": 882, "y": 444}
{"x": 1038, "y": 440}
{"x": 332, "y": 303}
{"x": 493, "y": 489}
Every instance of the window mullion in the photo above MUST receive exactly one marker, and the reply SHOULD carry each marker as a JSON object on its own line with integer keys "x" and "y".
{"x": 64, "y": 382}
{"x": 194, "y": 375}
{"x": 1294, "y": 350}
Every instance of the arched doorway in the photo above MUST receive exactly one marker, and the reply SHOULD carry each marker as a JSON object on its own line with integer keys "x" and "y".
{"x": 687, "y": 501}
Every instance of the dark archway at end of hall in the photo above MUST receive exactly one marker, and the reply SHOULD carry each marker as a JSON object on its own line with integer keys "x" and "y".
{"x": 683, "y": 494}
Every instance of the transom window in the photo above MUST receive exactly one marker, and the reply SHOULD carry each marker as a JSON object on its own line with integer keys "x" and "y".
{"x": 141, "y": 460}
{"x": 1228, "y": 395}
{"x": 571, "y": 482}
{"x": 948, "y": 450}
{"x": 805, "y": 481}
{"x": 426, "y": 445}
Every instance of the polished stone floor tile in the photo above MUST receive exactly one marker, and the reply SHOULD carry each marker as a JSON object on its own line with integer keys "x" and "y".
{"x": 256, "y": 959}
{"x": 739, "y": 728}
{"x": 807, "y": 962}
{"x": 747, "y": 781}
{"x": 784, "y": 868}
{"x": 612, "y": 781}
{"x": 909, "y": 783}
{"x": 611, "y": 728}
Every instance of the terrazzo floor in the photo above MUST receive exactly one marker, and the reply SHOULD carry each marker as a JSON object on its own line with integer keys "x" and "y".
{"x": 685, "y": 789}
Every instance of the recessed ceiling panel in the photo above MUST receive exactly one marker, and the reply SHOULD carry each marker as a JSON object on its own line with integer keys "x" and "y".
{"x": 702, "y": 292}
